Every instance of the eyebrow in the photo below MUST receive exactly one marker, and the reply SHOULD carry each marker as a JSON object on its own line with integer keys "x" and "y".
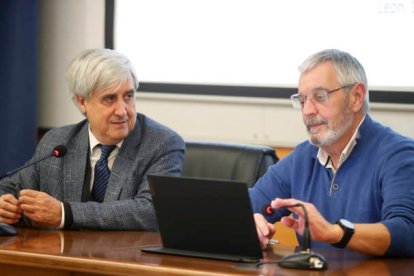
{"x": 106, "y": 94}
{"x": 314, "y": 89}
{"x": 132, "y": 90}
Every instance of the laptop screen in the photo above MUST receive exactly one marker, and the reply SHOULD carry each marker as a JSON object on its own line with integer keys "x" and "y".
{"x": 205, "y": 215}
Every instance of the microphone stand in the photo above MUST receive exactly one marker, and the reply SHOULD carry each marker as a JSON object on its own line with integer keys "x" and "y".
{"x": 58, "y": 152}
{"x": 304, "y": 259}
{"x": 25, "y": 166}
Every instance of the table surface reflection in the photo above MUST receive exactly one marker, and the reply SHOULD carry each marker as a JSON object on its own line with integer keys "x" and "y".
{"x": 118, "y": 253}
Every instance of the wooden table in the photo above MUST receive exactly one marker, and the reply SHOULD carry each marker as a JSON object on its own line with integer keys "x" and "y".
{"x": 43, "y": 252}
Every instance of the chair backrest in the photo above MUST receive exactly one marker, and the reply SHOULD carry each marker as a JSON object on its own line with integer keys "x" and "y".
{"x": 229, "y": 161}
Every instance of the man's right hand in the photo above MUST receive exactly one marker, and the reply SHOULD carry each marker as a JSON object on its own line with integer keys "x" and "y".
{"x": 10, "y": 211}
{"x": 265, "y": 230}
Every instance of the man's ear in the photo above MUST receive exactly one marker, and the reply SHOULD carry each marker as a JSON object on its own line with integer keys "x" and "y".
{"x": 357, "y": 97}
{"x": 81, "y": 103}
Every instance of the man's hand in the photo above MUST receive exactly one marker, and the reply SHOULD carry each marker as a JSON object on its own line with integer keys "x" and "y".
{"x": 10, "y": 211}
{"x": 320, "y": 229}
{"x": 41, "y": 208}
{"x": 369, "y": 238}
{"x": 265, "y": 230}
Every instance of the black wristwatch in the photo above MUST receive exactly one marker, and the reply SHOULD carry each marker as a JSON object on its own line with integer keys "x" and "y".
{"x": 349, "y": 230}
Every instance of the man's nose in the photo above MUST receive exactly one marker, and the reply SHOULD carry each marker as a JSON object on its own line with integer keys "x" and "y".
{"x": 308, "y": 107}
{"x": 120, "y": 107}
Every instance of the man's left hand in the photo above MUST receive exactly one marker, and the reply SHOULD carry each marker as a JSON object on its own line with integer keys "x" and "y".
{"x": 41, "y": 208}
{"x": 320, "y": 229}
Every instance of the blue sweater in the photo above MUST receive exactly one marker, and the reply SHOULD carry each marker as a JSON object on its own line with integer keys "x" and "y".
{"x": 375, "y": 184}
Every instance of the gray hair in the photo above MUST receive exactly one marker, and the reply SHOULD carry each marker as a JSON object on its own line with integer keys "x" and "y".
{"x": 95, "y": 70}
{"x": 348, "y": 69}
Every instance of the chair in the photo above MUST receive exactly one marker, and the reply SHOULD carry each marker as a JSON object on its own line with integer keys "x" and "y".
{"x": 230, "y": 161}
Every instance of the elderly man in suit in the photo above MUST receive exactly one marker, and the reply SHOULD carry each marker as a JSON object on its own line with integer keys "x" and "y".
{"x": 101, "y": 183}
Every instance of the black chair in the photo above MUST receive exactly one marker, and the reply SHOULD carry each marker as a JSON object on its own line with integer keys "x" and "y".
{"x": 230, "y": 161}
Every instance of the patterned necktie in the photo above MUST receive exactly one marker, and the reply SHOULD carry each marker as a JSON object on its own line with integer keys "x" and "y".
{"x": 102, "y": 173}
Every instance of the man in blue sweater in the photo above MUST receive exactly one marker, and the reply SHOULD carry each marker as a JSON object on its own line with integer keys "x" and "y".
{"x": 354, "y": 176}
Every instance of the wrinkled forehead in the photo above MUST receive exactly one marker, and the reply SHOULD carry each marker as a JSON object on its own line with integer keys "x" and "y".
{"x": 322, "y": 76}
{"x": 124, "y": 82}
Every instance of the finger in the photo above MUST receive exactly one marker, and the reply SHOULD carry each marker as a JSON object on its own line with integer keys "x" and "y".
{"x": 13, "y": 208}
{"x": 30, "y": 193}
{"x": 9, "y": 198}
{"x": 289, "y": 222}
{"x": 281, "y": 203}
{"x": 9, "y": 220}
{"x": 27, "y": 208}
{"x": 264, "y": 240}
{"x": 31, "y": 197}
{"x": 272, "y": 230}
{"x": 7, "y": 214}
{"x": 261, "y": 223}
{"x": 262, "y": 229}
{"x": 10, "y": 214}
{"x": 9, "y": 203}
{"x": 26, "y": 201}
{"x": 285, "y": 203}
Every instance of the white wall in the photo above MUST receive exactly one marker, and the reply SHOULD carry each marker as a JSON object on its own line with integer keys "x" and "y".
{"x": 67, "y": 27}
{"x": 260, "y": 121}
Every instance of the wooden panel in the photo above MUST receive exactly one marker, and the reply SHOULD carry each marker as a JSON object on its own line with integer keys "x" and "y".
{"x": 285, "y": 235}
{"x": 283, "y": 151}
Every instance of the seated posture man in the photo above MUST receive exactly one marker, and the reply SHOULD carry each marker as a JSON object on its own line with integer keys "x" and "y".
{"x": 101, "y": 183}
{"x": 354, "y": 176}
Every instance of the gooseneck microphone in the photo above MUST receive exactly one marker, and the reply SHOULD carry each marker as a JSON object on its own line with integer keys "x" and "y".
{"x": 305, "y": 259}
{"x": 59, "y": 151}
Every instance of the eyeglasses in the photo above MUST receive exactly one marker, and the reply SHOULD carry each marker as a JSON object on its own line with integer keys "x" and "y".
{"x": 318, "y": 95}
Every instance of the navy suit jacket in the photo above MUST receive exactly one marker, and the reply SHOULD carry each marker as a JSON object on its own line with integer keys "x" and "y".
{"x": 150, "y": 148}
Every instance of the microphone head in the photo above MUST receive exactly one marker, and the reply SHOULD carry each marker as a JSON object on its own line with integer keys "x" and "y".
{"x": 267, "y": 210}
{"x": 59, "y": 151}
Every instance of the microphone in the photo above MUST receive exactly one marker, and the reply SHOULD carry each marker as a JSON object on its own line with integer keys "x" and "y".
{"x": 59, "y": 151}
{"x": 305, "y": 259}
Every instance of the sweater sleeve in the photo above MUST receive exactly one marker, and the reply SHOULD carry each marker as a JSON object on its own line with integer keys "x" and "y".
{"x": 398, "y": 195}
{"x": 271, "y": 185}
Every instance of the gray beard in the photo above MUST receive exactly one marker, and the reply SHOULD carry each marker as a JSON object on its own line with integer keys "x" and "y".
{"x": 334, "y": 132}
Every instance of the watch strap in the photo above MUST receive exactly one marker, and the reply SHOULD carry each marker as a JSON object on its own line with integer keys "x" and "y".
{"x": 348, "y": 233}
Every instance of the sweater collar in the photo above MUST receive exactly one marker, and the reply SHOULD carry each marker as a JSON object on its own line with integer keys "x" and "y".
{"x": 325, "y": 159}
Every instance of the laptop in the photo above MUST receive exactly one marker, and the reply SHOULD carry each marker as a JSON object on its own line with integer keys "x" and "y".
{"x": 206, "y": 218}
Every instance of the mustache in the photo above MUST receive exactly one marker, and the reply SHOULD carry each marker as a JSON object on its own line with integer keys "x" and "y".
{"x": 311, "y": 121}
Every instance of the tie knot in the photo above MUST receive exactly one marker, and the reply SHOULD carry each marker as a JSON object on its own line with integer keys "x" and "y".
{"x": 106, "y": 150}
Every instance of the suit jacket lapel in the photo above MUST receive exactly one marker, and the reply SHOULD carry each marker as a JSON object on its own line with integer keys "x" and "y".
{"x": 75, "y": 163}
{"x": 123, "y": 166}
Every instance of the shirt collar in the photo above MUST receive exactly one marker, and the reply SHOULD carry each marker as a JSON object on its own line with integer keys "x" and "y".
{"x": 324, "y": 157}
{"x": 93, "y": 142}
